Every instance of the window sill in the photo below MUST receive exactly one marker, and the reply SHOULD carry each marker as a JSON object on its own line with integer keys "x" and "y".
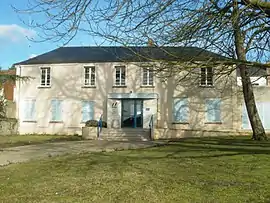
{"x": 119, "y": 86}
{"x": 217, "y": 122}
{"x": 29, "y": 121}
{"x": 44, "y": 87}
{"x": 85, "y": 86}
{"x": 56, "y": 122}
{"x": 147, "y": 86}
{"x": 180, "y": 123}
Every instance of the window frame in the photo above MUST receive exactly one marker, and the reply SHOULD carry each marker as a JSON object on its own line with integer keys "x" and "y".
{"x": 206, "y": 82}
{"x": 90, "y": 73}
{"x": 148, "y": 70}
{"x": 173, "y": 112}
{"x": 46, "y": 77}
{"x": 218, "y": 121}
{"x": 120, "y": 79}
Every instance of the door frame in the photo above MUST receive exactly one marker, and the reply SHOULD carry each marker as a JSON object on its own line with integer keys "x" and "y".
{"x": 135, "y": 101}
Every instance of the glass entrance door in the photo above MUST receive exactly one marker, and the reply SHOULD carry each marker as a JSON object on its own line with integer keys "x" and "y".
{"x": 132, "y": 113}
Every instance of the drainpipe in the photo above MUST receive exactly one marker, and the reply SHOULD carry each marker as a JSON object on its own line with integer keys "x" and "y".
{"x": 135, "y": 114}
{"x": 18, "y": 95}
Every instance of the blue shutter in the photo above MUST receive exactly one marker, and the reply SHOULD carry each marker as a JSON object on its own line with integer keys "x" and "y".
{"x": 84, "y": 111}
{"x": 213, "y": 110}
{"x": 54, "y": 106}
{"x": 26, "y": 110}
{"x": 87, "y": 111}
{"x": 263, "y": 110}
{"x": 209, "y": 111}
{"x": 32, "y": 109}
{"x": 217, "y": 107}
{"x": 266, "y": 115}
{"x": 91, "y": 110}
{"x": 29, "y": 110}
{"x": 260, "y": 108}
{"x": 59, "y": 110}
{"x": 245, "y": 119}
{"x": 56, "y": 110}
{"x": 181, "y": 110}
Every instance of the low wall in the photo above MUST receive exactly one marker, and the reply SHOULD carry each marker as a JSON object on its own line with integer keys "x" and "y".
{"x": 181, "y": 133}
{"x": 8, "y": 126}
{"x": 89, "y": 133}
{"x": 11, "y": 109}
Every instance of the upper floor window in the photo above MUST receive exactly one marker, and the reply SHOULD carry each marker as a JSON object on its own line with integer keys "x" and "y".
{"x": 45, "y": 77}
{"x": 120, "y": 75}
{"x": 147, "y": 77}
{"x": 90, "y": 76}
{"x": 207, "y": 76}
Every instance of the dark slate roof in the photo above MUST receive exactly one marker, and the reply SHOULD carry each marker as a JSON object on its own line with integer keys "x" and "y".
{"x": 118, "y": 54}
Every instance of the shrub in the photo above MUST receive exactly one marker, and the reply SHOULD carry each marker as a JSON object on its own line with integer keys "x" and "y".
{"x": 91, "y": 123}
{"x": 94, "y": 123}
{"x": 104, "y": 124}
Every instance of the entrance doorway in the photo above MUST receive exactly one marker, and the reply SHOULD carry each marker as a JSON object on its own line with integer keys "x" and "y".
{"x": 132, "y": 113}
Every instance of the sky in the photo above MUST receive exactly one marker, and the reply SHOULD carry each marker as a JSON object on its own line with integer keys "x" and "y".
{"x": 14, "y": 43}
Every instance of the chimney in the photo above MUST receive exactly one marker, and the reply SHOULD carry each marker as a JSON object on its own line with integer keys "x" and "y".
{"x": 151, "y": 42}
{"x": 268, "y": 74}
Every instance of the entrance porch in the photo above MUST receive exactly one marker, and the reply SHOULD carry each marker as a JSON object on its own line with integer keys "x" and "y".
{"x": 131, "y": 110}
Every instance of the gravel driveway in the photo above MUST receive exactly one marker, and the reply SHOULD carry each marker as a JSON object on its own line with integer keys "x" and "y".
{"x": 26, "y": 153}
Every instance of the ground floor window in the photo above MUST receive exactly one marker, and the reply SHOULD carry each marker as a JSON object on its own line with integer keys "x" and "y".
{"x": 180, "y": 110}
{"x": 87, "y": 110}
{"x": 57, "y": 110}
{"x": 213, "y": 110}
{"x": 29, "y": 110}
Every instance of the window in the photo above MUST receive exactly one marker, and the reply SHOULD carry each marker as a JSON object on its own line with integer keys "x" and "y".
{"x": 45, "y": 77}
{"x": 87, "y": 111}
{"x": 147, "y": 77}
{"x": 180, "y": 110}
{"x": 120, "y": 75}
{"x": 90, "y": 76}
{"x": 56, "y": 110}
{"x": 29, "y": 110}
{"x": 213, "y": 110}
{"x": 207, "y": 76}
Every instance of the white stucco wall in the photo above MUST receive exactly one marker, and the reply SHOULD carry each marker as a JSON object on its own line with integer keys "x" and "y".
{"x": 67, "y": 85}
{"x": 260, "y": 81}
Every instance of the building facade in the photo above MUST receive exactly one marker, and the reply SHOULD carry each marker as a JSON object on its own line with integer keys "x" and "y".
{"x": 63, "y": 94}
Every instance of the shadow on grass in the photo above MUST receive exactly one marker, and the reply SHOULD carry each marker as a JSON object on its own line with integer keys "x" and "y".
{"x": 195, "y": 148}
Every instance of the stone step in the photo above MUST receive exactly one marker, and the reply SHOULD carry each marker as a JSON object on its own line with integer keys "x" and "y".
{"x": 125, "y": 134}
{"x": 125, "y": 130}
{"x": 124, "y": 138}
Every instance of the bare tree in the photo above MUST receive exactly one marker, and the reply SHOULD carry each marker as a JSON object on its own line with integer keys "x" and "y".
{"x": 237, "y": 29}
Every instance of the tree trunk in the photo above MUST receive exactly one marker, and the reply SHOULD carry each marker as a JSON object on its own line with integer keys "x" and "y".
{"x": 253, "y": 115}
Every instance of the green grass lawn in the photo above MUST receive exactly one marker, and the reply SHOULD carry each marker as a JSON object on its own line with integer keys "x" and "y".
{"x": 191, "y": 170}
{"x": 19, "y": 140}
